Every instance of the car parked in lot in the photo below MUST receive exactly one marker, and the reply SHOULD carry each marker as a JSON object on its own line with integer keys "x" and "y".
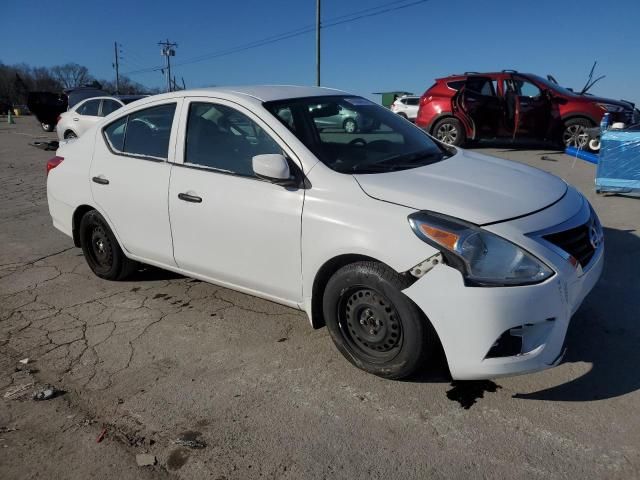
{"x": 397, "y": 243}
{"x": 476, "y": 106}
{"x": 406, "y": 106}
{"x": 80, "y": 117}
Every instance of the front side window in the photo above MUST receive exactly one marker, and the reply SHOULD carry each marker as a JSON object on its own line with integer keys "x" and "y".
{"x": 222, "y": 138}
{"x": 353, "y": 135}
{"x": 143, "y": 133}
{"x": 523, "y": 88}
{"x": 89, "y": 108}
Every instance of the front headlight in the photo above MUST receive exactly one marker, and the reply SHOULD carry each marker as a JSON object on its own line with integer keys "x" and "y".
{"x": 483, "y": 258}
{"x": 607, "y": 107}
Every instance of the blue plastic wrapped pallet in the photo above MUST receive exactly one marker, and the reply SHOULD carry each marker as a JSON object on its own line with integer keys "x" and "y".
{"x": 619, "y": 163}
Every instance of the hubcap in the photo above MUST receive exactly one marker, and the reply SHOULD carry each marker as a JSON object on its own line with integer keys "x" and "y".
{"x": 349, "y": 126}
{"x": 575, "y": 136}
{"x": 447, "y": 133}
{"x": 101, "y": 250}
{"x": 370, "y": 324}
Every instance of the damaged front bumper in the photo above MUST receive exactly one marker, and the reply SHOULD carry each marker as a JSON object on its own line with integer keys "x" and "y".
{"x": 488, "y": 332}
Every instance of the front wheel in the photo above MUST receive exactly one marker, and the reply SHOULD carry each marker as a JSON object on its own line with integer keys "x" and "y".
{"x": 450, "y": 131}
{"x": 373, "y": 324}
{"x": 47, "y": 127}
{"x": 69, "y": 135}
{"x": 575, "y": 132}
{"x": 101, "y": 250}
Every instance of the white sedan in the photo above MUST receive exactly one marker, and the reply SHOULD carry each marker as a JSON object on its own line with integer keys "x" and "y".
{"x": 398, "y": 244}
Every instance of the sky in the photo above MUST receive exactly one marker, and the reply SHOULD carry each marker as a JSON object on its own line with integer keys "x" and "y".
{"x": 403, "y": 49}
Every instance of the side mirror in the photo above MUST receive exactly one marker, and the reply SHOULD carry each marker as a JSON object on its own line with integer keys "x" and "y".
{"x": 273, "y": 167}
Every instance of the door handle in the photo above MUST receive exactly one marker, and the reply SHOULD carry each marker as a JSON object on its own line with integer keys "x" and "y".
{"x": 76, "y": 119}
{"x": 187, "y": 197}
{"x": 100, "y": 180}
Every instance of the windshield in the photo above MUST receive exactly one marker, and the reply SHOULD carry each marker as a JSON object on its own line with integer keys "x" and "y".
{"x": 353, "y": 135}
{"x": 553, "y": 86}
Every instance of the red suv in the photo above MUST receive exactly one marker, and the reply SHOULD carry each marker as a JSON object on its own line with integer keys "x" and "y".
{"x": 510, "y": 104}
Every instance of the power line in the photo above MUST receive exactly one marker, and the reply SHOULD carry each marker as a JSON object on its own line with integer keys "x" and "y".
{"x": 342, "y": 19}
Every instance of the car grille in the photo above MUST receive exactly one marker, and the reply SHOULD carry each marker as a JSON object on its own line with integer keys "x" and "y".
{"x": 579, "y": 242}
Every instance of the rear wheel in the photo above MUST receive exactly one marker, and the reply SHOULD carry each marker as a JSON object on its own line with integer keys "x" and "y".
{"x": 373, "y": 324}
{"x": 101, "y": 250}
{"x": 575, "y": 134}
{"x": 69, "y": 135}
{"x": 47, "y": 127}
{"x": 450, "y": 131}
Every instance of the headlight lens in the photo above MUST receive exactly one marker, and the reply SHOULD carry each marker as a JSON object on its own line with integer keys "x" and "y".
{"x": 484, "y": 258}
{"x": 610, "y": 108}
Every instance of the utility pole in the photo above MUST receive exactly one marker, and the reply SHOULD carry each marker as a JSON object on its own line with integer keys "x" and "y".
{"x": 116, "y": 66}
{"x": 318, "y": 43}
{"x": 168, "y": 51}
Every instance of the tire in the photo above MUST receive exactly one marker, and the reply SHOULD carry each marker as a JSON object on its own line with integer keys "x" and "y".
{"x": 47, "y": 127}
{"x": 69, "y": 135}
{"x": 450, "y": 131}
{"x": 573, "y": 132}
{"x": 373, "y": 324}
{"x": 403, "y": 115}
{"x": 101, "y": 250}
{"x": 350, "y": 125}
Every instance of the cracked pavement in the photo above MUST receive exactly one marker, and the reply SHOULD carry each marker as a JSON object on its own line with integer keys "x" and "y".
{"x": 159, "y": 355}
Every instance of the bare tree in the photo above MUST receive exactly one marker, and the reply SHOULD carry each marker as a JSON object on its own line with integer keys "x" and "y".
{"x": 71, "y": 75}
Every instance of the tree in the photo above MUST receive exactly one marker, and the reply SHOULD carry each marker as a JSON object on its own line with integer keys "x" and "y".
{"x": 71, "y": 75}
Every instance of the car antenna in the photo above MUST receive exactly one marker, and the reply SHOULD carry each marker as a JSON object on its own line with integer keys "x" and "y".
{"x": 589, "y": 84}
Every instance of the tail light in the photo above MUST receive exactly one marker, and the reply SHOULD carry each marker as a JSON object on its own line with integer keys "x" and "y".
{"x": 58, "y": 119}
{"x": 53, "y": 163}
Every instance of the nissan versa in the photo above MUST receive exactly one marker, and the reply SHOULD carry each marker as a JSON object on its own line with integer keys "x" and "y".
{"x": 397, "y": 243}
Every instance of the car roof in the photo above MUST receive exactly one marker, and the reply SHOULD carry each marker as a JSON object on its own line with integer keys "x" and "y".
{"x": 264, "y": 93}
{"x": 462, "y": 76}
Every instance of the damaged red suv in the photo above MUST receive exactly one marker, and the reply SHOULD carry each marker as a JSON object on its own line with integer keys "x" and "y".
{"x": 476, "y": 106}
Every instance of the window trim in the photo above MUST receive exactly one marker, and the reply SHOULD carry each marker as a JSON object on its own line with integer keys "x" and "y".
{"x": 149, "y": 158}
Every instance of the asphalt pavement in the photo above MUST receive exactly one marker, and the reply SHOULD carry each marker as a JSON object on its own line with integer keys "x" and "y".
{"x": 151, "y": 362}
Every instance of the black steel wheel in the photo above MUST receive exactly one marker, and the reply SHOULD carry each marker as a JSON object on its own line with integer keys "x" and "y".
{"x": 370, "y": 324}
{"x": 101, "y": 250}
{"x": 373, "y": 324}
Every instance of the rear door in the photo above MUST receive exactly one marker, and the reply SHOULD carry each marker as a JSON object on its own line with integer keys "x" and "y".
{"x": 532, "y": 108}
{"x": 130, "y": 179}
{"x": 478, "y": 103}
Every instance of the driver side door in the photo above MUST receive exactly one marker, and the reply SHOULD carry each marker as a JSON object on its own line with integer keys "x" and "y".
{"x": 532, "y": 108}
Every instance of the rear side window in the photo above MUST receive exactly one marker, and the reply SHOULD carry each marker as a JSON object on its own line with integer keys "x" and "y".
{"x": 89, "y": 108}
{"x": 412, "y": 101}
{"x": 115, "y": 134}
{"x": 143, "y": 133}
{"x": 483, "y": 86}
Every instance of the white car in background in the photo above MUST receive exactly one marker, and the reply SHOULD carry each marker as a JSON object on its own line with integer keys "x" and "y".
{"x": 406, "y": 106}
{"x": 397, "y": 243}
{"x": 85, "y": 114}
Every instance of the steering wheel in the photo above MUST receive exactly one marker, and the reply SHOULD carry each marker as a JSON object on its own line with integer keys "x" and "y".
{"x": 358, "y": 141}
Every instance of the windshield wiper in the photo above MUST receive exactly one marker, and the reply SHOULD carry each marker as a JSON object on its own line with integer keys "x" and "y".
{"x": 412, "y": 158}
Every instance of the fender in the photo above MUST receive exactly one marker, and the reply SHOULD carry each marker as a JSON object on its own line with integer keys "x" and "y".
{"x": 578, "y": 114}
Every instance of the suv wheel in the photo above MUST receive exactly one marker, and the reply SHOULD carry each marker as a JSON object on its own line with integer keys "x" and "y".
{"x": 47, "y": 127}
{"x": 574, "y": 133}
{"x": 373, "y": 324}
{"x": 450, "y": 131}
{"x": 69, "y": 135}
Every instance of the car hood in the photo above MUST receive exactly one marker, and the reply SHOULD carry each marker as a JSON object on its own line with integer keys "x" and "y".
{"x": 470, "y": 186}
{"x": 621, "y": 103}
